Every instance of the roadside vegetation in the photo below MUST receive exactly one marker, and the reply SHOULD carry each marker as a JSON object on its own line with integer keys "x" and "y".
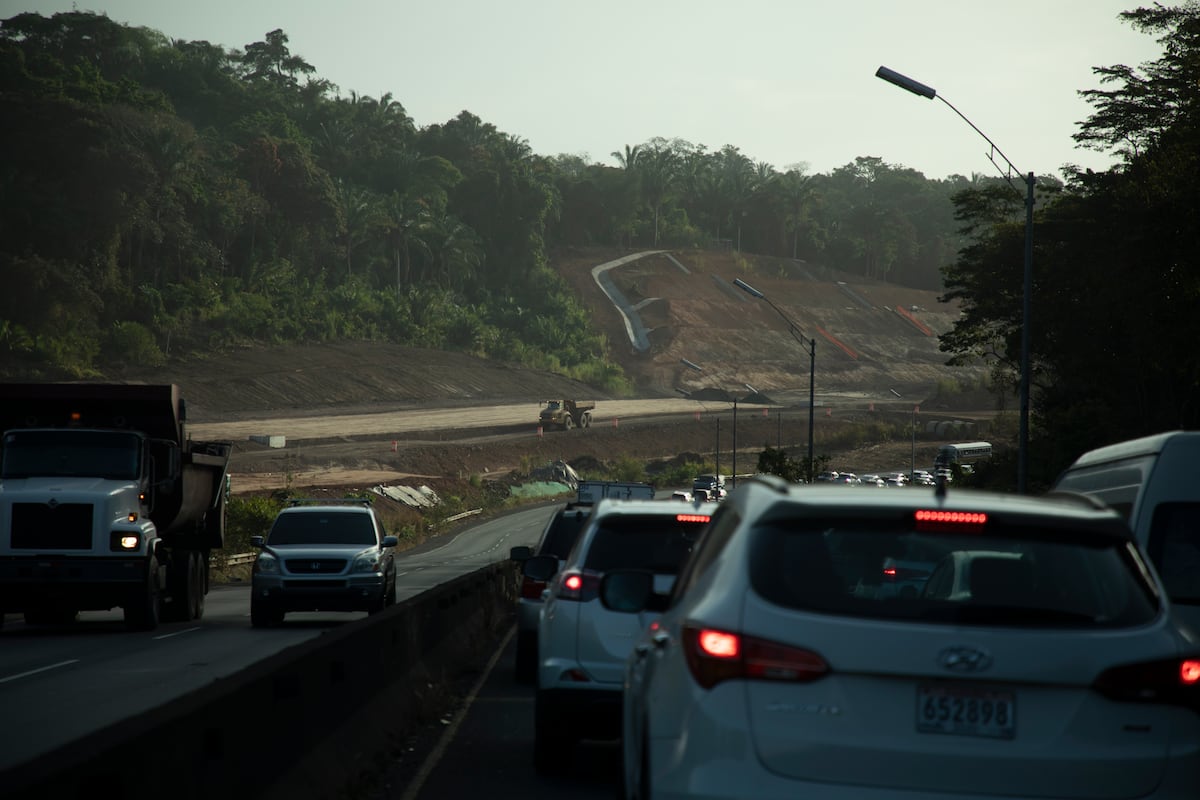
{"x": 168, "y": 197}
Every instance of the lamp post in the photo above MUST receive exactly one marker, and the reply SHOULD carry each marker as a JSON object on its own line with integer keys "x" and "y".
{"x": 809, "y": 345}
{"x": 908, "y": 84}
{"x": 733, "y": 469}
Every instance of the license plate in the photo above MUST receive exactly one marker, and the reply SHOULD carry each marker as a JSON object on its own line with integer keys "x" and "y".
{"x": 966, "y": 711}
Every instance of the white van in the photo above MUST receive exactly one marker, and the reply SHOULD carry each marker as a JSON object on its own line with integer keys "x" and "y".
{"x": 1152, "y": 482}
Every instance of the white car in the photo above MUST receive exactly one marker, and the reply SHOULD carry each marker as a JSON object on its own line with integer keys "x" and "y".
{"x": 777, "y": 671}
{"x": 582, "y": 645}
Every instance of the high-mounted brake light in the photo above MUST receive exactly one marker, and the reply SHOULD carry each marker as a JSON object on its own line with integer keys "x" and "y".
{"x": 703, "y": 518}
{"x": 1189, "y": 672}
{"x": 950, "y": 517}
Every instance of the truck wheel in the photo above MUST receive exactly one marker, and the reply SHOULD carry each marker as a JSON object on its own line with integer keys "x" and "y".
{"x": 568, "y": 423}
{"x": 185, "y": 584}
{"x": 587, "y": 421}
{"x": 201, "y": 584}
{"x": 141, "y": 609}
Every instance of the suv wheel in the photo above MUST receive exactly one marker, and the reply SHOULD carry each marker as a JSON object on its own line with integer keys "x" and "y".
{"x": 526, "y": 657}
{"x": 553, "y": 744}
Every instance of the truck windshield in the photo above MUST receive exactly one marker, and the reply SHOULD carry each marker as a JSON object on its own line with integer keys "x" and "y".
{"x": 71, "y": 453}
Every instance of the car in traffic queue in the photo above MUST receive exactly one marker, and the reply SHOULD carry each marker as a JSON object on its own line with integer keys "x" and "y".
{"x": 780, "y": 669}
{"x": 582, "y": 645}
{"x": 322, "y": 555}
{"x": 557, "y": 538}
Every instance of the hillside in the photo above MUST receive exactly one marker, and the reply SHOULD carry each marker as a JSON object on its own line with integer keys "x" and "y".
{"x": 690, "y": 310}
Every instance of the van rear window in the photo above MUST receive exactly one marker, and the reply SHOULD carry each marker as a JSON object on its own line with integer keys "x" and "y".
{"x": 1174, "y": 548}
{"x": 655, "y": 542}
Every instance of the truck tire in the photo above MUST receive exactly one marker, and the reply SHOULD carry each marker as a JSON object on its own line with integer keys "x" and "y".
{"x": 568, "y": 422}
{"x": 142, "y": 607}
{"x": 201, "y": 568}
{"x": 586, "y": 421}
{"x": 185, "y": 584}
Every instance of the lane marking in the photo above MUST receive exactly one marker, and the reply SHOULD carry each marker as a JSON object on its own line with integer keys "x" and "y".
{"x": 439, "y": 749}
{"x": 177, "y": 633}
{"x": 20, "y": 675}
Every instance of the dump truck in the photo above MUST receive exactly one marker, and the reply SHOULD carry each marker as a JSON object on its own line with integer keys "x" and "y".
{"x": 106, "y": 502}
{"x": 566, "y": 414}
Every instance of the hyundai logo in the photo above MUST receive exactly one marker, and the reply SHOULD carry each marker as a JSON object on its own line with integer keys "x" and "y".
{"x": 964, "y": 659}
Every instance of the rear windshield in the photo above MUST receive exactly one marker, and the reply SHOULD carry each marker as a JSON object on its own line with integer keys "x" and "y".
{"x": 333, "y": 527}
{"x": 1040, "y": 578}
{"x": 563, "y": 532}
{"x": 655, "y": 542}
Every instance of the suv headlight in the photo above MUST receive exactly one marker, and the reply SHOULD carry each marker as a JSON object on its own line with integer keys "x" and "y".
{"x": 266, "y": 564}
{"x": 369, "y": 561}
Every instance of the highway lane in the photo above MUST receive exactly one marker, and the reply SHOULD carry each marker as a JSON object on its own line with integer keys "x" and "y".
{"x": 58, "y": 683}
{"x": 487, "y": 751}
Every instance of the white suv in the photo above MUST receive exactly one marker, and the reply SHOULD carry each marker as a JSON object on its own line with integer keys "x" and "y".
{"x": 582, "y": 646}
{"x": 1034, "y": 657}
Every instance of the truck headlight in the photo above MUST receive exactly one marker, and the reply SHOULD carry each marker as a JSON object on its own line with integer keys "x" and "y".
{"x": 125, "y": 541}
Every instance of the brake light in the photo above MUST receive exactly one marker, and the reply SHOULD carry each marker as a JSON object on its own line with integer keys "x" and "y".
{"x": 1171, "y": 681}
{"x": 889, "y": 573}
{"x": 933, "y": 519}
{"x": 701, "y": 518}
{"x": 531, "y": 589}
{"x": 581, "y": 586}
{"x": 715, "y": 655}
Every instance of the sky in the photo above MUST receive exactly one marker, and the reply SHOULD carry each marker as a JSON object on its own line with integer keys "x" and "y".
{"x": 788, "y": 82}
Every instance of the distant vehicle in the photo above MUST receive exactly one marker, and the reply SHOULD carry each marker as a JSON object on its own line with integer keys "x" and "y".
{"x": 1151, "y": 481}
{"x": 871, "y": 479}
{"x": 772, "y": 673}
{"x": 965, "y": 455}
{"x": 557, "y": 539}
{"x": 566, "y": 414}
{"x": 582, "y": 645}
{"x": 592, "y": 492}
{"x": 681, "y": 495}
{"x": 322, "y": 555}
{"x": 713, "y": 484}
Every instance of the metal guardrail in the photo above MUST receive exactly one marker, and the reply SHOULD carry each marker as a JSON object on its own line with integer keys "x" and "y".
{"x": 464, "y": 515}
{"x": 235, "y": 559}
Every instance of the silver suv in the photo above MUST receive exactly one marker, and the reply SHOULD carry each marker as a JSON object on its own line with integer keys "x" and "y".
{"x": 582, "y": 645}
{"x": 323, "y": 555}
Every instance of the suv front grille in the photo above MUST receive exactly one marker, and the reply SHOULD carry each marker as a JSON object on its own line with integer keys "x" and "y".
{"x": 315, "y": 566}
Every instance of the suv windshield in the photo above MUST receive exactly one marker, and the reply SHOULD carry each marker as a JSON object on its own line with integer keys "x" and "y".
{"x": 323, "y": 527}
{"x": 655, "y": 542}
{"x": 1039, "y": 577}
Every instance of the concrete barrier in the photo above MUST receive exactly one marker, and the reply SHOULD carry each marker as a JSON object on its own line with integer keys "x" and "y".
{"x": 311, "y": 721}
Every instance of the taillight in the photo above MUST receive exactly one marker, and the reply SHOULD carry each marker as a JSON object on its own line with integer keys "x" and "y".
{"x": 531, "y": 589}
{"x": 1172, "y": 681}
{"x": 581, "y": 586}
{"x": 934, "y": 519}
{"x": 715, "y": 655}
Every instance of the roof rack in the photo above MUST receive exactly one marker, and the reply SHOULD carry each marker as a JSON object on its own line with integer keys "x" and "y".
{"x": 329, "y": 501}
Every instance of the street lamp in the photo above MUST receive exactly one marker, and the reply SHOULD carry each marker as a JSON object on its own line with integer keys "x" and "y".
{"x": 733, "y": 468}
{"x": 908, "y": 84}
{"x": 808, "y": 344}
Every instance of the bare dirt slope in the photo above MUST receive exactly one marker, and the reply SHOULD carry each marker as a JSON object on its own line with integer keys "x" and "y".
{"x": 866, "y": 351}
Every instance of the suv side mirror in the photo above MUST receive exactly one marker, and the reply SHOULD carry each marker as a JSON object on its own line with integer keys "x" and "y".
{"x": 390, "y": 541}
{"x": 627, "y": 591}
{"x": 520, "y": 553}
{"x": 256, "y": 541}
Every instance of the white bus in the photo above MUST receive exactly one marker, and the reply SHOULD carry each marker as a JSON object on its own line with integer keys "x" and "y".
{"x": 964, "y": 454}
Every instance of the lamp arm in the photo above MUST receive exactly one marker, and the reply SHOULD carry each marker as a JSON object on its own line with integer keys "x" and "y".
{"x": 1008, "y": 176}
